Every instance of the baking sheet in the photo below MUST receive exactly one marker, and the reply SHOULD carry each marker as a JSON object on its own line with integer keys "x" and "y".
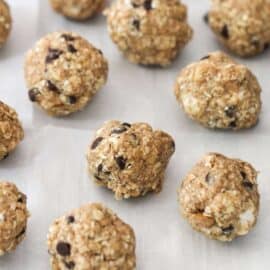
{"x": 50, "y": 166}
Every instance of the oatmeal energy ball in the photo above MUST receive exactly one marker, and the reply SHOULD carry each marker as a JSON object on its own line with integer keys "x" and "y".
{"x": 91, "y": 237}
{"x": 219, "y": 93}
{"x": 5, "y": 22}
{"x": 77, "y": 9}
{"x": 149, "y": 32}
{"x": 243, "y": 26}
{"x": 129, "y": 159}
{"x": 63, "y": 72}
{"x": 11, "y": 131}
{"x": 219, "y": 197}
{"x": 13, "y": 217}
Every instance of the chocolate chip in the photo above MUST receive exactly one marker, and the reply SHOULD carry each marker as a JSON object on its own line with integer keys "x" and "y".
{"x": 70, "y": 219}
{"x": 119, "y": 130}
{"x": 72, "y": 99}
{"x": 68, "y": 37}
{"x": 247, "y": 184}
{"x": 173, "y": 144}
{"x": 207, "y": 178}
{"x": 97, "y": 177}
{"x": 126, "y": 124}
{"x": 96, "y": 142}
{"x": 71, "y": 48}
{"x": 255, "y": 42}
{"x": 52, "y": 87}
{"x": 136, "y": 24}
{"x": 228, "y": 230}
{"x": 32, "y": 93}
{"x": 232, "y": 124}
{"x": 69, "y": 265}
{"x": 206, "y": 18}
{"x": 230, "y": 111}
{"x": 22, "y": 198}
{"x": 243, "y": 174}
{"x": 121, "y": 162}
{"x": 100, "y": 167}
{"x": 147, "y": 4}
{"x": 225, "y": 32}
{"x": 266, "y": 46}
{"x": 6, "y": 156}
{"x": 205, "y": 57}
{"x": 63, "y": 248}
{"x": 21, "y": 233}
{"x": 135, "y": 5}
{"x": 52, "y": 55}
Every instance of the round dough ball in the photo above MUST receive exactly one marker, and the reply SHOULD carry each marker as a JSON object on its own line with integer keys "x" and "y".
{"x": 13, "y": 217}
{"x": 77, "y": 9}
{"x": 219, "y": 93}
{"x": 91, "y": 237}
{"x": 5, "y": 22}
{"x": 129, "y": 159}
{"x": 219, "y": 197}
{"x": 63, "y": 72}
{"x": 11, "y": 131}
{"x": 149, "y": 32}
{"x": 243, "y": 26}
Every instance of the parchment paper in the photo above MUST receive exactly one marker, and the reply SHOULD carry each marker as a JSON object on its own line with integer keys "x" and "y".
{"x": 50, "y": 166}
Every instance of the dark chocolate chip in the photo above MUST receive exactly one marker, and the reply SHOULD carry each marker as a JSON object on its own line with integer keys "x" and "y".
{"x": 71, "y": 48}
{"x": 119, "y": 130}
{"x": 207, "y": 178}
{"x": 63, "y": 248}
{"x": 173, "y": 145}
{"x": 100, "y": 167}
{"x": 32, "y": 93}
{"x": 205, "y": 57}
{"x": 72, "y": 99}
{"x": 52, "y": 87}
{"x": 52, "y": 55}
{"x": 225, "y": 32}
{"x": 126, "y": 124}
{"x": 135, "y": 5}
{"x": 230, "y": 111}
{"x": 206, "y": 18}
{"x": 121, "y": 162}
{"x": 96, "y": 142}
{"x": 266, "y": 46}
{"x": 233, "y": 124}
{"x": 247, "y": 184}
{"x": 21, "y": 233}
{"x": 69, "y": 265}
{"x": 22, "y": 198}
{"x": 136, "y": 23}
{"x": 228, "y": 230}
{"x": 147, "y": 4}
{"x": 243, "y": 174}
{"x": 70, "y": 219}
{"x": 97, "y": 177}
{"x": 68, "y": 37}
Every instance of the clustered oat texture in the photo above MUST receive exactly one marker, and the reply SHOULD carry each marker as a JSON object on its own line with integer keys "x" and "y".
{"x": 13, "y": 217}
{"x": 11, "y": 131}
{"x": 149, "y": 32}
{"x": 77, "y": 9}
{"x": 5, "y": 22}
{"x": 243, "y": 26}
{"x": 129, "y": 159}
{"x": 219, "y": 93}
{"x": 91, "y": 237}
{"x": 63, "y": 72}
{"x": 219, "y": 197}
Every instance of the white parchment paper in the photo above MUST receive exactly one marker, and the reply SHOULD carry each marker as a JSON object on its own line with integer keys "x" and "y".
{"x": 50, "y": 167}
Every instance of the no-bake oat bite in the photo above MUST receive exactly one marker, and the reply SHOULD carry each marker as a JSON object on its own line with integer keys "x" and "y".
{"x": 149, "y": 32}
{"x": 219, "y": 197}
{"x": 5, "y": 22}
{"x": 63, "y": 72}
{"x": 243, "y": 26}
{"x": 219, "y": 93}
{"x": 91, "y": 237}
{"x": 13, "y": 217}
{"x": 77, "y": 9}
{"x": 129, "y": 159}
{"x": 11, "y": 131}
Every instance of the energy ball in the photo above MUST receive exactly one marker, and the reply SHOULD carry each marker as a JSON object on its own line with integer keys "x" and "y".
{"x": 13, "y": 217}
{"x": 11, "y": 131}
{"x": 219, "y": 197}
{"x": 243, "y": 26}
{"x": 91, "y": 237}
{"x": 129, "y": 159}
{"x": 149, "y": 32}
{"x": 219, "y": 93}
{"x": 5, "y": 22}
{"x": 77, "y": 9}
{"x": 63, "y": 72}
